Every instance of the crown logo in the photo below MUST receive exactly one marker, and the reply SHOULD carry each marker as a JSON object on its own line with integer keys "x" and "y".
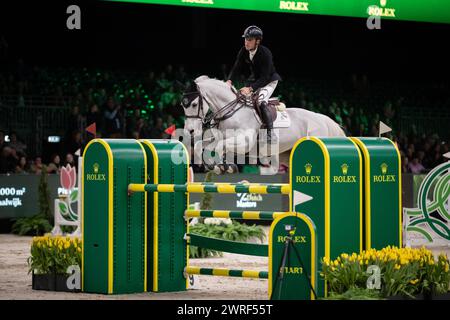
{"x": 384, "y": 168}
{"x": 96, "y": 166}
{"x": 344, "y": 168}
{"x": 308, "y": 168}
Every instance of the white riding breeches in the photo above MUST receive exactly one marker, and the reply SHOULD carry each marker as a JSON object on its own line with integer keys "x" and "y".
{"x": 266, "y": 92}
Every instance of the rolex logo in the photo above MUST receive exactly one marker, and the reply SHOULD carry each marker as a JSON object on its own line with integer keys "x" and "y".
{"x": 384, "y": 177}
{"x": 382, "y": 11}
{"x": 344, "y": 178}
{"x": 384, "y": 168}
{"x": 96, "y": 176}
{"x": 308, "y": 168}
{"x": 344, "y": 168}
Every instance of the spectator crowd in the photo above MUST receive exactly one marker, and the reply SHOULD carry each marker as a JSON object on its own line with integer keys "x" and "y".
{"x": 131, "y": 104}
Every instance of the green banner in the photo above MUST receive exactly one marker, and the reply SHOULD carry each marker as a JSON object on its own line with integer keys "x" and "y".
{"x": 426, "y": 11}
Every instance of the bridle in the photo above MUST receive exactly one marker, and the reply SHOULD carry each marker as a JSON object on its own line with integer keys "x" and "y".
{"x": 186, "y": 101}
{"x": 212, "y": 119}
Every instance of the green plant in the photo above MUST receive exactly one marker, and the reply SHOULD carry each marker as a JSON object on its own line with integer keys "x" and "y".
{"x": 35, "y": 225}
{"x": 54, "y": 254}
{"x": 41, "y": 222}
{"x": 44, "y": 195}
{"x": 68, "y": 229}
{"x": 233, "y": 231}
{"x": 206, "y": 200}
{"x": 355, "y": 293}
{"x": 403, "y": 271}
{"x": 436, "y": 276}
{"x": 220, "y": 228}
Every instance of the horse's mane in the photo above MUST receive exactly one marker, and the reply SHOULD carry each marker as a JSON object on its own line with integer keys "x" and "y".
{"x": 203, "y": 78}
{"x": 205, "y": 83}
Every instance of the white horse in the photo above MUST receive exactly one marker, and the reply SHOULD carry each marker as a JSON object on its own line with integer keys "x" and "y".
{"x": 213, "y": 103}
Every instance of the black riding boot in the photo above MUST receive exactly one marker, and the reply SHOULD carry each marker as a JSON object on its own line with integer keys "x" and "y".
{"x": 265, "y": 113}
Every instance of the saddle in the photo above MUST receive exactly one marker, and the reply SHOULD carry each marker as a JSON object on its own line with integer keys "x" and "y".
{"x": 274, "y": 106}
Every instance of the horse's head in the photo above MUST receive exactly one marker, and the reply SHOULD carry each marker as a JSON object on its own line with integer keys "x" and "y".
{"x": 194, "y": 109}
{"x": 202, "y": 96}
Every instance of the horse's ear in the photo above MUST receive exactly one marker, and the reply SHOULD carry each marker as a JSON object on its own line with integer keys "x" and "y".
{"x": 191, "y": 87}
{"x": 201, "y": 78}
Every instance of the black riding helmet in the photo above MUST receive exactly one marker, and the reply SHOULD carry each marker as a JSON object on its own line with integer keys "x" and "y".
{"x": 253, "y": 32}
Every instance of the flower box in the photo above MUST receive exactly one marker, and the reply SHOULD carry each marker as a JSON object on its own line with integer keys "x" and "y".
{"x": 51, "y": 257}
{"x": 51, "y": 282}
{"x": 423, "y": 296}
{"x": 43, "y": 281}
{"x": 442, "y": 296}
{"x": 420, "y": 296}
{"x": 61, "y": 283}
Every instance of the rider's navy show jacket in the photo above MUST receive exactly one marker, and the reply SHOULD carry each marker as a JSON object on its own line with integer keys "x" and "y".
{"x": 261, "y": 68}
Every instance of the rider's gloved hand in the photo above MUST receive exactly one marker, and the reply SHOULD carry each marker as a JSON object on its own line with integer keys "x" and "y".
{"x": 246, "y": 90}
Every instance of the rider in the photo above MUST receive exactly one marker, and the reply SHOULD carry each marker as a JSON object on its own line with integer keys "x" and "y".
{"x": 257, "y": 59}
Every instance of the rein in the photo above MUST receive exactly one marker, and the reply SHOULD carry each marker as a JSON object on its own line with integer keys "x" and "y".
{"x": 211, "y": 119}
{"x": 230, "y": 109}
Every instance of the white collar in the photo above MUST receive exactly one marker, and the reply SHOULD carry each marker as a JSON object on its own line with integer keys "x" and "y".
{"x": 252, "y": 53}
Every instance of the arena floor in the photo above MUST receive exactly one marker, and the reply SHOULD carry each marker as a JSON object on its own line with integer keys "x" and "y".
{"x": 15, "y": 282}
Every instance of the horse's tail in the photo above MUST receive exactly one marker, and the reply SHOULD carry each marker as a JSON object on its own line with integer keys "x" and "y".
{"x": 344, "y": 130}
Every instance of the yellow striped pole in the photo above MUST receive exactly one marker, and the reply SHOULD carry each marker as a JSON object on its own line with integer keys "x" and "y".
{"x": 282, "y": 188}
{"x": 245, "y": 215}
{"x": 227, "y": 272}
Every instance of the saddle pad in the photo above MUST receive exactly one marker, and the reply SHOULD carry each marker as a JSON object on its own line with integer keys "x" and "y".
{"x": 282, "y": 121}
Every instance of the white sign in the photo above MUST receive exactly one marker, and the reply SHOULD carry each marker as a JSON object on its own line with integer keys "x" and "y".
{"x": 15, "y": 193}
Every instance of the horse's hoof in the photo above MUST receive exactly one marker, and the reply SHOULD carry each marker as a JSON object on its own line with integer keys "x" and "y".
{"x": 232, "y": 168}
{"x": 217, "y": 170}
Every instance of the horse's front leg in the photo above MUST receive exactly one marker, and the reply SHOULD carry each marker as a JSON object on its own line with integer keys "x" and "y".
{"x": 235, "y": 145}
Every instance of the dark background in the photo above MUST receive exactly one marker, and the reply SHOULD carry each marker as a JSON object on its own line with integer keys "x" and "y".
{"x": 141, "y": 36}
